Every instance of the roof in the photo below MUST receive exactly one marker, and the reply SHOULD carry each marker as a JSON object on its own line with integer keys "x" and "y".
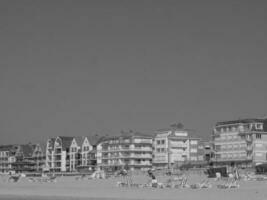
{"x": 79, "y": 140}
{"x": 242, "y": 121}
{"x": 43, "y": 147}
{"x": 52, "y": 141}
{"x": 66, "y": 141}
{"x": 126, "y": 135}
{"x": 190, "y": 132}
{"x": 95, "y": 139}
{"x": 27, "y": 149}
{"x": 10, "y": 147}
{"x": 134, "y": 134}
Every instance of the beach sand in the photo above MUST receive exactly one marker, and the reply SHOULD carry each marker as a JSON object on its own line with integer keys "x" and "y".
{"x": 68, "y": 188}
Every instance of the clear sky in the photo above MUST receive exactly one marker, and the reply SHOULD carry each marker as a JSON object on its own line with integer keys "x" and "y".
{"x": 83, "y": 67}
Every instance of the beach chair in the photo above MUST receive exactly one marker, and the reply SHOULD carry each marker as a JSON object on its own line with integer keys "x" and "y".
{"x": 31, "y": 179}
{"x": 52, "y": 179}
{"x": 183, "y": 183}
{"x": 229, "y": 184}
{"x": 203, "y": 184}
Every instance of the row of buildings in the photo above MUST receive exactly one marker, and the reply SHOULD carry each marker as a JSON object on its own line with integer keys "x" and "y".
{"x": 240, "y": 142}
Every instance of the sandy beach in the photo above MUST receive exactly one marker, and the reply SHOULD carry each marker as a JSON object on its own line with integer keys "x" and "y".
{"x": 70, "y": 188}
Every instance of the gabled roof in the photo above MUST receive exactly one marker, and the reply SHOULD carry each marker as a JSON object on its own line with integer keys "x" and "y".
{"x": 10, "y": 147}
{"x": 52, "y": 142}
{"x": 95, "y": 139}
{"x": 66, "y": 141}
{"x": 27, "y": 149}
{"x": 43, "y": 147}
{"x": 79, "y": 140}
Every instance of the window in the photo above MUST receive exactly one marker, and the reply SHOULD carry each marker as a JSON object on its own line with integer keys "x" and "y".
{"x": 258, "y": 136}
{"x": 158, "y": 150}
{"x": 259, "y": 126}
{"x": 258, "y": 145}
{"x": 162, "y": 150}
{"x": 193, "y": 142}
{"x": 158, "y": 141}
{"x": 162, "y": 141}
{"x": 193, "y": 150}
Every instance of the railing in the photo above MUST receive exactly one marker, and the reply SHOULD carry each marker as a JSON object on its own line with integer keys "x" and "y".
{"x": 126, "y": 156}
{"x": 128, "y": 149}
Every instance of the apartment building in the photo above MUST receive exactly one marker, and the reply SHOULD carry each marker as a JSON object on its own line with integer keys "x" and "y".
{"x": 130, "y": 150}
{"x": 58, "y": 154}
{"x": 71, "y": 154}
{"x": 7, "y": 158}
{"x": 241, "y": 142}
{"x": 88, "y": 160}
{"x": 175, "y": 146}
{"x": 29, "y": 158}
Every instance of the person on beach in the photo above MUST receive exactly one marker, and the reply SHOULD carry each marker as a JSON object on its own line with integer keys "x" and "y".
{"x": 154, "y": 181}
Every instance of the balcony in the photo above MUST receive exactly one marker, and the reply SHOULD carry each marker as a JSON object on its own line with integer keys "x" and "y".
{"x": 180, "y": 146}
{"x": 141, "y": 156}
{"x": 128, "y": 149}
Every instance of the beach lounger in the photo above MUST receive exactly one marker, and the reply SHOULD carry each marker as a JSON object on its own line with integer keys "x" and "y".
{"x": 229, "y": 184}
{"x": 82, "y": 177}
{"x": 183, "y": 183}
{"x": 203, "y": 184}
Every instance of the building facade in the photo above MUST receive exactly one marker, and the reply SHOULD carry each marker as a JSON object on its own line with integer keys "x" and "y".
{"x": 29, "y": 158}
{"x": 88, "y": 160}
{"x": 240, "y": 142}
{"x": 129, "y": 150}
{"x": 58, "y": 154}
{"x": 71, "y": 154}
{"x": 7, "y": 158}
{"x": 175, "y": 146}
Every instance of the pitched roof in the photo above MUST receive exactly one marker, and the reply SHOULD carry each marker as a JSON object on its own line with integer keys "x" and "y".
{"x": 95, "y": 139}
{"x": 10, "y": 147}
{"x": 27, "y": 149}
{"x": 66, "y": 141}
{"x": 79, "y": 140}
{"x": 43, "y": 147}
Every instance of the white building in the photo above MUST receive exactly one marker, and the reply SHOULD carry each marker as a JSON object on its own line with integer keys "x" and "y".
{"x": 175, "y": 146}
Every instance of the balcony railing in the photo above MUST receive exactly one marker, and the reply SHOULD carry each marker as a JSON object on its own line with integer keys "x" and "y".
{"x": 128, "y": 149}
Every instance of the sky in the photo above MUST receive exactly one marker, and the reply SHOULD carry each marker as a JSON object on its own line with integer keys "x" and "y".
{"x": 72, "y": 68}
